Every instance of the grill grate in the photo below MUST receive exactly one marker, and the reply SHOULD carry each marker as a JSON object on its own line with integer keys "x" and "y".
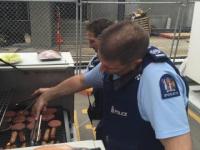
{"x": 5, "y": 96}
{"x": 60, "y": 132}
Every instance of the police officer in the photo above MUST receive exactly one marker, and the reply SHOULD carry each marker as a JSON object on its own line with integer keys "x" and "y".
{"x": 145, "y": 96}
{"x": 93, "y": 30}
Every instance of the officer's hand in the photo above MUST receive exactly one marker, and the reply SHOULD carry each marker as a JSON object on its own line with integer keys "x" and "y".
{"x": 41, "y": 102}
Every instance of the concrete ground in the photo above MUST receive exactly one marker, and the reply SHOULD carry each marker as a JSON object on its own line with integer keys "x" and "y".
{"x": 162, "y": 43}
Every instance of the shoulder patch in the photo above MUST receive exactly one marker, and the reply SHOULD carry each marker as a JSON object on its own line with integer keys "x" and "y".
{"x": 156, "y": 52}
{"x": 168, "y": 87}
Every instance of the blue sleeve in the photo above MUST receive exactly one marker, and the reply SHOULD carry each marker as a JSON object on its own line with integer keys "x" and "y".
{"x": 94, "y": 77}
{"x": 163, "y": 105}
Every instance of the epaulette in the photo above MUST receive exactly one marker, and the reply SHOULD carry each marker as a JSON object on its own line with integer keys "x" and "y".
{"x": 156, "y": 54}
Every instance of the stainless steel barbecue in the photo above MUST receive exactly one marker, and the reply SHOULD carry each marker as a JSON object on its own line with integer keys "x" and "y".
{"x": 18, "y": 85}
{"x": 5, "y": 96}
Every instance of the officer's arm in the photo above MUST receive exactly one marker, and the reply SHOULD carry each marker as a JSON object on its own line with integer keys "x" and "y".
{"x": 182, "y": 142}
{"x": 68, "y": 86}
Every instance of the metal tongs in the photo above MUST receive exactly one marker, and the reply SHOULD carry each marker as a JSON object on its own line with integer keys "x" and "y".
{"x": 36, "y": 132}
{"x": 27, "y": 102}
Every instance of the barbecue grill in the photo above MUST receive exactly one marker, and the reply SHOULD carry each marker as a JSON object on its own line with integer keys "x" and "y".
{"x": 17, "y": 85}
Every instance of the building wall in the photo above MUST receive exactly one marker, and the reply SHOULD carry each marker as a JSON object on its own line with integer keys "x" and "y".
{"x": 103, "y": 10}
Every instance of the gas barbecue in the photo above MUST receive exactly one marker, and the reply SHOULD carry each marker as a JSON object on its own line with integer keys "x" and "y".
{"x": 18, "y": 85}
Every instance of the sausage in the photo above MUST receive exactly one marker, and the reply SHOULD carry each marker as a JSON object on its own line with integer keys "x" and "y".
{"x": 54, "y": 123}
{"x": 10, "y": 114}
{"x": 19, "y": 119}
{"x": 18, "y": 126}
{"x": 24, "y": 113}
{"x": 31, "y": 119}
{"x": 30, "y": 126}
{"x": 22, "y": 137}
{"x": 13, "y": 137}
{"x": 50, "y": 111}
{"x": 47, "y": 117}
{"x": 46, "y": 134}
{"x": 53, "y": 133}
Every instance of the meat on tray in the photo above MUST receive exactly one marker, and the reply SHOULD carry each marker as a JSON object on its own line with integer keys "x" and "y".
{"x": 49, "y": 55}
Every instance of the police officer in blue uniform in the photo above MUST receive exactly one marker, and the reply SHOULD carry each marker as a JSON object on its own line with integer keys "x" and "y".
{"x": 146, "y": 99}
{"x": 93, "y": 30}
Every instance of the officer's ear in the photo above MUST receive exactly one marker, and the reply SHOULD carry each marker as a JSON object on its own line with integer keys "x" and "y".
{"x": 136, "y": 62}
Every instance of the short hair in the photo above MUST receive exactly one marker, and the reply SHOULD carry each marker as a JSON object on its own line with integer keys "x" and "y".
{"x": 124, "y": 42}
{"x": 97, "y": 26}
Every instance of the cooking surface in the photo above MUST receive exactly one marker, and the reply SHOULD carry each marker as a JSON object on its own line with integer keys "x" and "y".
{"x": 60, "y": 131}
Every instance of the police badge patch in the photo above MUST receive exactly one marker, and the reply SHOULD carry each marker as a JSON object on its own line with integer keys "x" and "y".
{"x": 168, "y": 87}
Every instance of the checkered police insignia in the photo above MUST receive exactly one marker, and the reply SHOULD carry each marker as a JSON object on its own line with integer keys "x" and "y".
{"x": 168, "y": 87}
{"x": 156, "y": 52}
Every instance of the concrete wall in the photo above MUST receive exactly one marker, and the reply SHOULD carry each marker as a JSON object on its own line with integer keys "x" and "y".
{"x": 41, "y": 24}
{"x": 103, "y": 10}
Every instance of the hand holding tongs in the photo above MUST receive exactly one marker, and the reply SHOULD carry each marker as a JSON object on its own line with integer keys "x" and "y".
{"x": 36, "y": 132}
{"x": 30, "y": 100}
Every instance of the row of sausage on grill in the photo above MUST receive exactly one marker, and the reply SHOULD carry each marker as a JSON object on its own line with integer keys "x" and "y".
{"x": 21, "y": 120}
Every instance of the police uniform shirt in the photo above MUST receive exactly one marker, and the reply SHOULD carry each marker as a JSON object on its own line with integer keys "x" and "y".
{"x": 90, "y": 64}
{"x": 162, "y": 98}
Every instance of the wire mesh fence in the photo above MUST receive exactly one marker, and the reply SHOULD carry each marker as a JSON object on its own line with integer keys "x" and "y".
{"x": 38, "y": 25}
{"x": 14, "y": 22}
{"x": 158, "y": 19}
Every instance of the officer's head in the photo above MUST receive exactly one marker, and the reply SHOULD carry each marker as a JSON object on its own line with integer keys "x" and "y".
{"x": 94, "y": 29}
{"x": 122, "y": 47}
